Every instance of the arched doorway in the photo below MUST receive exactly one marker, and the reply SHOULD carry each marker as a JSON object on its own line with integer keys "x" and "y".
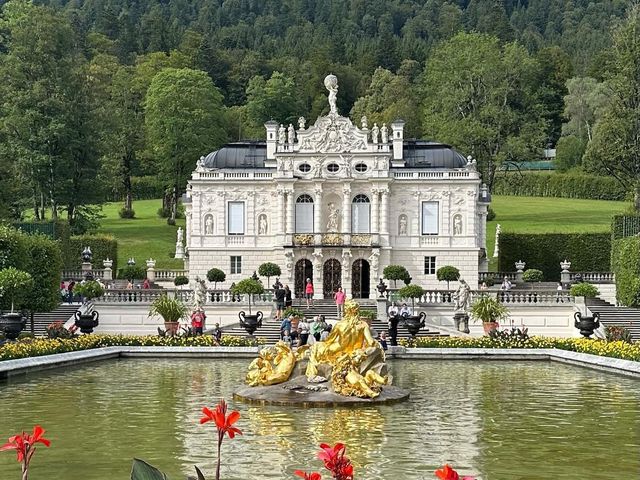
{"x": 360, "y": 278}
{"x": 304, "y": 270}
{"x": 332, "y": 277}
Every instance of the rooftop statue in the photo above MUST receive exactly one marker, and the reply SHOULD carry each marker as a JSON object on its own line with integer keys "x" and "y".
{"x": 350, "y": 357}
{"x": 331, "y": 83}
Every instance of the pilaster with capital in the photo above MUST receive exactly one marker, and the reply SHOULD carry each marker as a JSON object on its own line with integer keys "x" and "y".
{"x": 375, "y": 211}
{"x": 282, "y": 208}
{"x": 384, "y": 228}
{"x": 290, "y": 211}
{"x": 318, "y": 274}
{"x": 346, "y": 208}
{"x": 317, "y": 210}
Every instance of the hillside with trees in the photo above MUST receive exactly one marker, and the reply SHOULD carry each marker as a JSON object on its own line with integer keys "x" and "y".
{"x": 90, "y": 104}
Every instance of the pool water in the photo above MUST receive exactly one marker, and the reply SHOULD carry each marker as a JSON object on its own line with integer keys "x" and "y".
{"x": 496, "y": 420}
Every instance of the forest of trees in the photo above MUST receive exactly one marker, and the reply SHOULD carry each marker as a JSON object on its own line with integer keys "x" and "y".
{"x": 99, "y": 94}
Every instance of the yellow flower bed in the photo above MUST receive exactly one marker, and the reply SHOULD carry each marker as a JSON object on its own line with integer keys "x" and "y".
{"x": 30, "y": 347}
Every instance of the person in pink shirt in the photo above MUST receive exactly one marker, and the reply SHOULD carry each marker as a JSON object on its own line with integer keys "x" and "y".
{"x": 340, "y": 297}
{"x": 308, "y": 293}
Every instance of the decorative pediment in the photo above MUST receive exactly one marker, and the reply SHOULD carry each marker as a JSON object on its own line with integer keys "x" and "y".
{"x": 332, "y": 134}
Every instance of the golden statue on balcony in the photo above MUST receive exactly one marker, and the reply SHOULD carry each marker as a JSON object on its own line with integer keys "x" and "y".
{"x": 350, "y": 357}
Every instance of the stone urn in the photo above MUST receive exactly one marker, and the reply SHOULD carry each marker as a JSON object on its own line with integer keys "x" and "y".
{"x": 86, "y": 322}
{"x": 461, "y": 320}
{"x": 585, "y": 324}
{"x": 12, "y": 324}
{"x": 490, "y": 327}
{"x": 171, "y": 328}
{"x": 414, "y": 323}
{"x": 250, "y": 322}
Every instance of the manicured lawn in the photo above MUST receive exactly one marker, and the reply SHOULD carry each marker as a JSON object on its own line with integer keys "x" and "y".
{"x": 146, "y": 236}
{"x": 550, "y": 215}
{"x": 149, "y": 236}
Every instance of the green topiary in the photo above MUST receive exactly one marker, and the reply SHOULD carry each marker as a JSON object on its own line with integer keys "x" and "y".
{"x": 89, "y": 289}
{"x": 132, "y": 272}
{"x": 14, "y": 286}
{"x": 289, "y": 311}
{"x": 180, "y": 280}
{"x": 448, "y": 274}
{"x": 126, "y": 213}
{"x": 532, "y": 275}
{"x": 585, "y": 290}
{"x": 411, "y": 291}
{"x": 248, "y": 287}
{"x": 269, "y": 270}
{"x": 216, "y": 275}
{"x": 395, "y": 273}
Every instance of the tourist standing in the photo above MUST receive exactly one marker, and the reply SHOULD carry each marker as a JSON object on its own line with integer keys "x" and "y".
{"x": 197, "y": 321}
{"x": 316, "y": 328}
{"x": 288, "y": 301}
{"x": 559, "y": 290}
{"x": 340, "y": 297}
{"x": 308, "y": 293}
{"x": 70, "y": 288}
{"x": 280, "y": 296}
{"x": 383, "y": 340}
{"x": 217, "y": 333}
{"x": 285, "y": 326}
{"x": 146, "y": 285}
{"x": 303, "y": 328}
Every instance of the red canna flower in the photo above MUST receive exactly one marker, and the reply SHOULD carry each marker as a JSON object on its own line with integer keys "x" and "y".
{"x": 335, "y": 461}
{"x": 223, "y": 422}
{"x": 25, "y": 447}
{"x": 448, "y": 473}
{"x": 308, "y": 476}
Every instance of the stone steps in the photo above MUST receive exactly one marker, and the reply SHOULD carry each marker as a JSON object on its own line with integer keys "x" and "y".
{"x": 41, "y": 320}
{"x": 611, "y": 315}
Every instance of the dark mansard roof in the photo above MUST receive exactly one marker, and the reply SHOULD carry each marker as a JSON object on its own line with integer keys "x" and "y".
{"x": 416, "y": 153}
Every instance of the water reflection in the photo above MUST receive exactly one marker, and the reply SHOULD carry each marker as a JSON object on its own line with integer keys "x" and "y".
{"x": 497, "y": 420}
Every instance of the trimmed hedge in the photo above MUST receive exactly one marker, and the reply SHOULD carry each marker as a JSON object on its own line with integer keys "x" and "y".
{"x": 587, "y": 252}
{"x": 102, "y": 246}
{"x": 57, "y": 230}
{"x": 625, "y": 261}
{"x": 564, "y": 185}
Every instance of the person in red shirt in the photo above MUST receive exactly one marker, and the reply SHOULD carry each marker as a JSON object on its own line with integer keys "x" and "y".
{"x": 308, "y": 293}
{"x": 197, "y": 321}
{"x": 340, "y": 297}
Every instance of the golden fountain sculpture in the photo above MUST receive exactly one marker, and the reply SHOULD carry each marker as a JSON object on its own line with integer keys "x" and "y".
{"x": 350, "y": 357}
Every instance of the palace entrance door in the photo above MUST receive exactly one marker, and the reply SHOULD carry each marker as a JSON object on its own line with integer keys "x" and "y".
{"x": 304, "y": 270}
{"x": 360, "y": 278}
{"x": 332, "y": 277}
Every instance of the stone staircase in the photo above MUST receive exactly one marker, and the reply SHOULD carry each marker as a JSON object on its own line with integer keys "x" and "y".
{"x": 42, "y": 320}
{"x": 270, "y": 329}
{"x": 611, "y": 315}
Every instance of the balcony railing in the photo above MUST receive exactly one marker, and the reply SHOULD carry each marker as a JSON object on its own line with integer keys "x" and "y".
{"x": 80, "y": 275}
{"x": 334, "y": 239}
{"x": 147, "y": 296}
{"x": 593, "y": 277}
{"x": 525, "y": 297}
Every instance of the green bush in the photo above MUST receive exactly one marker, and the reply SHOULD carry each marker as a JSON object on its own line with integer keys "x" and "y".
{"x": 625, "y": 226}
{"x": 625, "y": 263}
{"x": 569, "y": 152}
{"x": 90, "y": 289}
{"x": 248, "y": 287}
{"x": 395, "y": 273}
{"x": 587, "y": 252}
{"x": 180, "y": 280}
{"x": 411, "y": 291}
{"x": 488, "y": 309}
{"x": 14, "y": 251}
{"x": 126, "y": 213}
{"x": 369, "y": 314}
{"x": 14, "y": 287}
{"x": 532, "y": 275}
{"x": 491, "y": 214}
{"x": 616, "y": 333}
{"x": 45, "y": 268}
{"x": 564, "y": 185}
{"x": 296, "y": 312}
{"x": 269, "y": 270}
{"x": 132, "y": 272}
{"x": 448, "y": 274}
{"x": 216, "y": 275}
{"x": 102, "y": 246}
{"x": 146, "y": 188}
{"x": 584, "y": 290}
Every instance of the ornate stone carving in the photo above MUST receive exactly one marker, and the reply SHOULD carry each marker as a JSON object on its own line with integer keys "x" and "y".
{"x": 332, "y": 239}
{"x": 402, "y": 225}
{"x": 332, "y": 134}
{"x": 360, "y": 240}
{"x": 263, "y": 225}
{"x": 374, "y": 261}
{"x": 385, "y": 133}
{"x": 375, "y": 131}
{"x": 331, "y": 84}
{"x": 302, "y": 122}
{"x": 291, "y": 135}
{"x": 334, "y": 216}
{"x": 282, "y": 135}
{"x": 457, "y": 224}
{"x": 208, "y": 224}
{"x": 317, "y": 259}
{"x": 363, "y": 122}
{"x": 288, "y": 261}
{"x": 304, "y": 239}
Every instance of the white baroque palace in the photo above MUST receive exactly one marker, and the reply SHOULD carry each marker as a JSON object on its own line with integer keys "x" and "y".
{"x": 336, "y": 203}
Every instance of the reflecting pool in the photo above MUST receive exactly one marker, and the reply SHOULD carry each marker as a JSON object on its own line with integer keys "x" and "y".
{"x": 497, "y": 420}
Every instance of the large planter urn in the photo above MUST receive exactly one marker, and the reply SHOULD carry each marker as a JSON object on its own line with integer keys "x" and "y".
{"x": 12, "y": 324}
{"x": 414, "y": 323}
{"x": 171, "y": 328}
{"x": 86, "y": 322}
{"x": 490, "y": 327}
{"x": 250, "y": 322}
{"x": 586, "y": 325}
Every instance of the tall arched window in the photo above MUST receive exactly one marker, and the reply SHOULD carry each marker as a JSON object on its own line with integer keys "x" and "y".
{"x": 360, "y": 214}
{"x": 304, "y": 214}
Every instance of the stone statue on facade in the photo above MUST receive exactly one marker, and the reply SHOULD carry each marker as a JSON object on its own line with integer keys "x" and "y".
{"x": 385, "y": 133}
{"x": 291, "y": 135}
{"x": 200, "y": 164}
{"x": 331, "y": 84}
{"x": 179, "y": 235}
{"x": 402, "y": 230}
{"x": 332, "y": 224}
{"x": 375, "y": 131}
{"x": 208, "y": 225}
{"x": 288, "y": 261}
{"x": 199, "y": 294}
{"x": 302, "y": 122}
{"x": 374, "y": 262}
{"x": 457, "y": 224}
{"x": 461, "y": 304}
{"x": 282, "y": 134}
{"x": 363, "y": 122}
{"x": 262, "y": 225}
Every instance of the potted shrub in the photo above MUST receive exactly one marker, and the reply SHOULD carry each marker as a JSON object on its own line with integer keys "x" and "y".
{"x": 489, "y": 311}
{"x": 395, "y": 273}
{"x": 413, "y": 322}
{"x": 448, "y": 273}
{"x": 249, "y": 287}
{"x": 533, "y": 275}
{"x": 14, "y": 286}
{"x": 292, "y": 311}
{"x": 180, "y": 280}
{"x": 171, "y": 310}
{"x": 88, "y": 290}
{"x": 269, "y": 270}
{"x": 585, "y": 323}
{"x": 216, "y": 275}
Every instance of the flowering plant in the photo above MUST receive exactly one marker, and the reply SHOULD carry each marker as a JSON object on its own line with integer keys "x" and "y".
{"x": 224, "y": 424}
{"x": 448, "y": 473}
{"x": 25, "y": 446}
{"x": 335, "y": 461}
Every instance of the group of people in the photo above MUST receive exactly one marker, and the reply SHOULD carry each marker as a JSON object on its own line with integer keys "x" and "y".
{"x": 198, "y": 318}
{"x": 283, "y": 298}
{"x": 298, "y": 332}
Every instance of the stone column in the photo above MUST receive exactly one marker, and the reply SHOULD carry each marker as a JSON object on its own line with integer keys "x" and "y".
{"x": 290, "y": 211}
{"x": 151, "y": 270}
{"x": 317, "y": 210}
{"x": 346, "y": 209}
{"x": 384, "y": 227}
{"x": 108, "y": 272}
{"x": 282, "y": 208}
{"x": 375, "y": 211}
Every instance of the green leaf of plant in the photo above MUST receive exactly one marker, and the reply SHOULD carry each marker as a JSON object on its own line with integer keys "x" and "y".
{"x": 141, "y": 470}
{"x": 199, "y": 473}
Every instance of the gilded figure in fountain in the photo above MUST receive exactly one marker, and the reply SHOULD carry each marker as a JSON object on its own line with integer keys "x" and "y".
{"x": 350, "y": 357}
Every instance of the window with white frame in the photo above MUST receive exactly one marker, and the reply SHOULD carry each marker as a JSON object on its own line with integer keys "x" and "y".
{"x": 430, "y": 221}
{"x": 360, "y": 214}
{"x": 304, "y": 214}
{"x": 236, "y": 265}
{"x": 429, "y": 265}
{"x": 235, "y": 218}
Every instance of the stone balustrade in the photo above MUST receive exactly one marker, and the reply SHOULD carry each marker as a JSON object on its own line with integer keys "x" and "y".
{"x": 78, "y": 275}
{"x": 511, "y": 276}
{"x": 170, "y": 275}
{"x": 435, "y": 174}
{"x": 147, "y": 296}
{"x": 514, "y": 297}
{"x": 245, "y": 175}
{"x": 593, "y": 277}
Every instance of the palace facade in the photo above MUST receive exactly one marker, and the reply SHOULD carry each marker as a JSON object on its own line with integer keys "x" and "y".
{"x": 336, "y": 203}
